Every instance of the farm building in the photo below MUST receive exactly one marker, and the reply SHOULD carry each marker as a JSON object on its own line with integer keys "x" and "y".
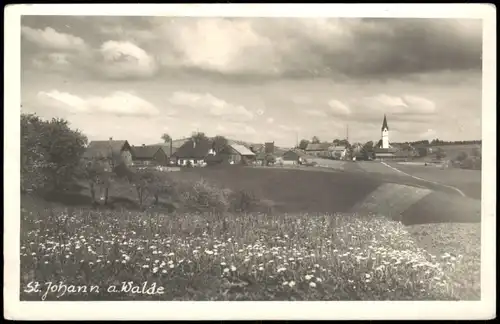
{"x": 150, "y": 154}
{"x": 318, "y": 149}
{"x": 112, "y": 150}
{"x": 193, "y": 152}
{"x": 293, "y": 157}
{"x": 236, "y": 153}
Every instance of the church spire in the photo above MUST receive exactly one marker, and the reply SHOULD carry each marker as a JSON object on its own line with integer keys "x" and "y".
{"x": 384, "y": 124}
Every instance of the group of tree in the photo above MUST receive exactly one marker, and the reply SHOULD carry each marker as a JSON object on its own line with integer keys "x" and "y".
{"x": 51, "y": 153}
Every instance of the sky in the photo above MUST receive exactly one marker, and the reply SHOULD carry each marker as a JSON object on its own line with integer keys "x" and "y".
{"x": 254, "y": 79}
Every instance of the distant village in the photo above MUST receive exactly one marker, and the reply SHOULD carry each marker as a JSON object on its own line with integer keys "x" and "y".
{"x": 200, "y": 150}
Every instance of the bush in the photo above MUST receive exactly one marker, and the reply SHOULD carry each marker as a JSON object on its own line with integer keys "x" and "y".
{"x": 202, "y": 197}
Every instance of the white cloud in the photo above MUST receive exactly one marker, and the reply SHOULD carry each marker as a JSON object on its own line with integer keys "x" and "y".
{"x": 125, "y": 59}
{"x": 211, "y": 105}
{"x": 270, "y": 120}
{"x": 117, "y": 103}
{"x": 224, "y": 45}
{"x": 51, "y": 39}
{"x": 338, "y": 108}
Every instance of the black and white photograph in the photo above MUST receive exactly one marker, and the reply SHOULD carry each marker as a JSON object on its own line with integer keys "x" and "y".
{"x": 186, "y": 154}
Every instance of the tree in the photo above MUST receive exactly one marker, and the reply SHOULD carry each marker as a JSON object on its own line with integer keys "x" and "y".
{"x": 315, "y": 140}
{"x": 219, "y": 143}
{"x": 367, "y": 149}
{"x": 166, "y": 138}
{"x": 440, "y": 153}
{"x": 303, "y": 144}
{"x": 197, "y": 137}
{"x": 51, "y": 150}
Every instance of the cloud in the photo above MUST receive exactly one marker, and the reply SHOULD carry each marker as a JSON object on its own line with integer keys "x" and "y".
{"x": 404, "y": 107}
{"x": 118, "y": 103}
{"x": 51, "y": 39}
{"x": 338, "y": 108}
{"x": 211, "y": 106}
{"x": 275, "y": 47}
{"x": 235, "y": 130}
{"x": 270, "y": 120}
{"x": 121, "y": 60}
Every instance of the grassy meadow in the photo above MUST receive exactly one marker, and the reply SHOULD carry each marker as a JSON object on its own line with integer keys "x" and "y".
{"x": 219, "y": 246}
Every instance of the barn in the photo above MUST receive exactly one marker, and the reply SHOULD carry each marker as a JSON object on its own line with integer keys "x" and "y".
{"x": 149, "y": 155}
{"x": 113, "y": 151}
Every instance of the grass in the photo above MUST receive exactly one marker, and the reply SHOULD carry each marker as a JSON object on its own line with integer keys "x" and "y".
{"x": 461, "y": 238}
{"x": 234, "y": 257}
{"x": 281, "y": 253}
{"x": 468, "y": 181}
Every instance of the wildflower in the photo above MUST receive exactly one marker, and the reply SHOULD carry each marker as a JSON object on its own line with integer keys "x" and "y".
{"x": 171, "y": 266}
{"x": 308, "y": 277}
{"x": 226, "y": 270}
{"x": 155, "y": 269}
{"x": 145, "y": 266}
{"x": 171, "y": 254}
{"x": 367, "y": 276}
{"x": 319, "y": 280}
{"x": 223, "y": 263}
{"x": 291, "y": 283}
{"x": 285, "y": 283}
{"x": 261, "y": 268}
{"x": 312, "y": 285}
{"x": 209, "y": 252}
{"x": 164, "y": 271}
{"x": 281, "y": 269}
{"x": 233, "y": 268}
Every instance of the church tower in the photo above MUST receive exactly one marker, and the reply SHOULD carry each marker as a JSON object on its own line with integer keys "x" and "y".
{"x": 385, "y": 134}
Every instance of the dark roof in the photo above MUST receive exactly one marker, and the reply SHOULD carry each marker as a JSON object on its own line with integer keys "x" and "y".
{"x": 104, "y": 148}
{"x": 293, "y": 154}
{"x": 385, "y": 150}
{"x": 317, "y": 146}
{"x": 189, "y": 150}
{"x": 384, "y": 123}
{"x": 146, "y": 152}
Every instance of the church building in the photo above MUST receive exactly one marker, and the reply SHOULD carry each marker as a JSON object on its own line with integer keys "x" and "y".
{"x": 383, "y": 149}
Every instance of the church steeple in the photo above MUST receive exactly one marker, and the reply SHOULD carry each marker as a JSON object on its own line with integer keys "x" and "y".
{"x": 384, "y": 124}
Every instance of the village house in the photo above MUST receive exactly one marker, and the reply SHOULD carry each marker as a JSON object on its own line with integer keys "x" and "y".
{"x": 294, "y": 157}
{"x": 237, "y": 153}
{"x": 150, "y": 155}
{"x": 194, "y": 153}
{"x": 318, "y": 149}
{"x": 109, "y": 152}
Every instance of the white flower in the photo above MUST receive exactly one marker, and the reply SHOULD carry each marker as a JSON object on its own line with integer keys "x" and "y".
{"x": 223, "y": 263}
{"x": 145, "y": 266}
{"x": 291, "y": 283}
{"x": 285, "y": 283}
{"x": 367, "y": 276}
{"x": 281, "y": 269}
{"x": 233, "y": 268}
{"x": 164, "y": 271}
{"x": 308, "y": 277}
{"x": 226, "y": 270}
{"x": 319, "y": 280}
{"x": 209, "y": 252}
{"x": 261, "y": 268}
{"x": 312, "y": 284}
{"x": 171, "y": 254}
{"x": 171, "y": 266}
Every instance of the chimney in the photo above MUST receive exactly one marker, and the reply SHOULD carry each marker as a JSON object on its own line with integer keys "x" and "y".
{"x": 111, "y": 138}
{"x": 143, "y": 145}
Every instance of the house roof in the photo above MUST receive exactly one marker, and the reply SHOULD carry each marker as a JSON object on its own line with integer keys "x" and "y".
{"x": 189, "y": 150}
{"x": 103, "y": 148}
{"x": 317, "y": 146}
{"x": 242, "y": 150}
{"x": 146, "y": 152}
{"x": 385, "y": 150}
{"x": 337, "y": 148}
